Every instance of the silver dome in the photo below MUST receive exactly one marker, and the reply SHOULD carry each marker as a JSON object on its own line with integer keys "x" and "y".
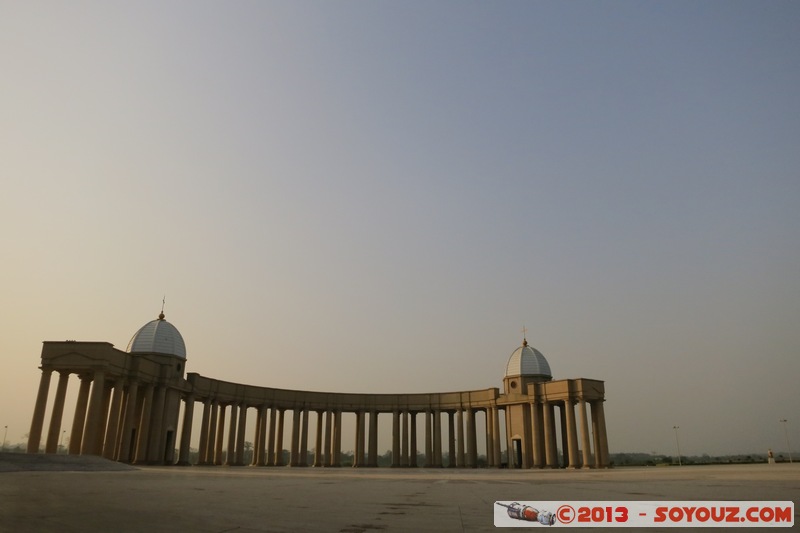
{"x": 158, "y": 336}
{"x": 528, "y": 361}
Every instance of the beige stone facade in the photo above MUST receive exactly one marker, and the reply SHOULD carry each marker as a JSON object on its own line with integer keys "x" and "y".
{"x": 129, "y": 406}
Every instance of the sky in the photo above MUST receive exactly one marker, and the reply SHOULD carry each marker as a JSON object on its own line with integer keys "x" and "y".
{"x": 378, "y": 196}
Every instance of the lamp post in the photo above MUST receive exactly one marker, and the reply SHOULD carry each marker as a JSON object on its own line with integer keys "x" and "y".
{"x": 678, "y": 444}
{"x": 786, "y": 434}
{"x": 4, "y": 438}
{"x": 61, "y": 443}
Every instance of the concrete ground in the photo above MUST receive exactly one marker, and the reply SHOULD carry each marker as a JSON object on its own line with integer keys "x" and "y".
{"x": 62, "y": 493}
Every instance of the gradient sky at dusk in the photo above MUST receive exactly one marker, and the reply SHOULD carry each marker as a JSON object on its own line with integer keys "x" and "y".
{"x": 377, "y": 196}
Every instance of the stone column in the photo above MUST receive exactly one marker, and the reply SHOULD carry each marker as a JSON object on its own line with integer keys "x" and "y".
{"x": 318, "y": 441}
{"x": 451, "y": 439}
{"x": 429, "y": 460}
{"x": 472, "y": 440}
{"x": 412, "y": 459}
{"x": 129, "y": 422}
{"x": 337, "y": 440}
{"x": 279, "y": 441}
{"x": 144, "y": 426}
{"x": 35, "y": 435}
{"x": 496, "y": 435}
{"x": 257, "y": 453}
{"x": 362, "y": 438}
{"x": 101, "y": 430}
{"x": 328, "y": 460}
{"x": 230, "y": 460}
{"x": 78, "y": 421}
{"x": 271, "y": 439}
{"x": 240, "y": 435}
{"x": 564, "y": 440}
{"x": 373, "y": 439}
{"x": 356, "y": 440}
{"x": 54, "y": 431}
{"x": 572, "y": 434}
{"x": 437, "y": 438}
{"x": 93, "y": 420}
{"x": 218, "y": 448}
{"x": 527, "y": 452}
{"x": 206, "y": 420}
{"x": 489, "y": 438}
{"x": 155, "y": 451}
{"x": 536, "y": 435}
{"x": 211, "y": 448}
{"x": 586, "y": 450}
{"x": 549, "y": 436}
{"x": 358, "y": 452}
{"x": 110, "y": 444}
{"x": 460, "y": 452}
{"x": 294, "y": 451}
{"x": 186, "y": 430}
{"x": 263, "y": 413}
{"x": 602, "y": 437}
{"x": 404, "y": 440}
{"x": 396, "y": 438}
{"x": 304, "y": 440}
{"x": 511, "y": 459}
{"x": 123, "y": 412}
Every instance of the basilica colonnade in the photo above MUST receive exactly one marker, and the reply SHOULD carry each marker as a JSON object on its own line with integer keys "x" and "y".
{"x": 129, "y": 405}
{"x": 133, "y": 417}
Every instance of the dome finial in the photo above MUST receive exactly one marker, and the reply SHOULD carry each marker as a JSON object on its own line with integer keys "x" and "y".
{"x": 524, "y": 335}
{"x": 163, "y": 301}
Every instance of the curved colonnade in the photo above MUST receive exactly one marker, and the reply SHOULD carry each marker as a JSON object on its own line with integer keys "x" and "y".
{"x": 128, "y": 409}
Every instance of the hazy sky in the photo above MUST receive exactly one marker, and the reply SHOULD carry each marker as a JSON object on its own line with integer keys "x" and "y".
{"x": 377, "y": 196}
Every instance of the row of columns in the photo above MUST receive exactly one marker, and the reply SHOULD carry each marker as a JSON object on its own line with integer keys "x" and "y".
{"x": 269, "y": 436}
{"x": 540, "y": 428}
{"x": 111, "y": 418}
{"x": 269, "y": 431}
{"x": 125, "y": 421}
{"x": 461, "y": 446}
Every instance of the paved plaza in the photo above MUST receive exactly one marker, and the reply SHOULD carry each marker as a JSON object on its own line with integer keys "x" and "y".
{"x": 73, "y": 493}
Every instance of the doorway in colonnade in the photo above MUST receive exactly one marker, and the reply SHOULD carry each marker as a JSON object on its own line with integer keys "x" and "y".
{"x": 516, "y": 445}
{"x": 131, "y": 448}
{"x": 169, "y": 447}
